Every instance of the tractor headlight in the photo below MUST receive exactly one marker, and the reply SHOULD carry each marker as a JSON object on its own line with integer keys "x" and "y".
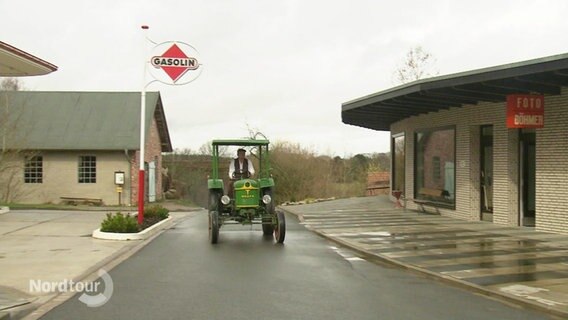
{"x": 266, "y": 199}
{"x": 225, "y": 199}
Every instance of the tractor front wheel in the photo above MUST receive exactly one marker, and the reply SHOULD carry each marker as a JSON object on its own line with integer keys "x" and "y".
{"x": 267, "y": 227}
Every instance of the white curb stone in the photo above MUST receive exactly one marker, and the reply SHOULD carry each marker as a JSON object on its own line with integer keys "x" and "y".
{"x": 144, "y": 234}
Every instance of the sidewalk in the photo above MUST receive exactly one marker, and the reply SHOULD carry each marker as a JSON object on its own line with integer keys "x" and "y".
{"x": 512, "y": 263}
{"x": 51, "y": 245}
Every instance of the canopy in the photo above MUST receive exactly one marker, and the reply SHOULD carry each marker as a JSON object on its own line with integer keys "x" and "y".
{"x": 17, "y": 63}
{"x": 240, "y": 142}
{"x": 379, "y": 110}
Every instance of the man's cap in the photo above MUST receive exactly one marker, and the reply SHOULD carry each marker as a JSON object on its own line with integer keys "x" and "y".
{"x": 241, "y": 149}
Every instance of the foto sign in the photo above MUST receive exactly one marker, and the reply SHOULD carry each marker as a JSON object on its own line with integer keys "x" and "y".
{"x": 525, "y": 111}
{"x": 174, "y": 63}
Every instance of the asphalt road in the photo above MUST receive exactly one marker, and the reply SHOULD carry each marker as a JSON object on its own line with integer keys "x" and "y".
{"x": 245, "y": 276}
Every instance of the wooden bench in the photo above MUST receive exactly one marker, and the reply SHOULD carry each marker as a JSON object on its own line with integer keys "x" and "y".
{"x": 375, "y": 190}
{"x": 429, "y": 198}
{"x": 429, "y": 192}
{"x": 76, "y": 201}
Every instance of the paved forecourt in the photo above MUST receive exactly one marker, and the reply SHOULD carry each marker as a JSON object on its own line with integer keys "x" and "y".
{"x": 515, "y": 263}
{"x": 47, "y": 246}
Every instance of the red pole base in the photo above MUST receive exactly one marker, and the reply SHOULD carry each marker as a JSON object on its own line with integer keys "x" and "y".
{"x": 140, "y": 197}
{"x": 397, "y": 194}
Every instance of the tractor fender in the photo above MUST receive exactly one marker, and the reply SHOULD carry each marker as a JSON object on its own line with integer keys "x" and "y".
{"x": 215, "y": 184}
{"x": 266, "y": 183}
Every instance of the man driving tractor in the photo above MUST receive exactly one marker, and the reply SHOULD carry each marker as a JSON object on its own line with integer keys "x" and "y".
{"x": 240, "y": 168}
{"x": 250, "y": 199}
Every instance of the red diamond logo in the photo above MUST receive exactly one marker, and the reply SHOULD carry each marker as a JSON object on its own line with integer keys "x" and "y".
{"x": 175, "y": 62}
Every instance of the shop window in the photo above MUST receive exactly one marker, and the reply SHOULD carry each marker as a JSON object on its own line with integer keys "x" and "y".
{"x": 398, "y": 162}
{"x": 435, "y": 165}
{"x": 33, "y": 169}
{"x": 87, "y": 169}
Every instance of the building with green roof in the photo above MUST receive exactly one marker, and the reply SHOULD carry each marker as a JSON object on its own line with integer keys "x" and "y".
{"x": 67, "y": 146}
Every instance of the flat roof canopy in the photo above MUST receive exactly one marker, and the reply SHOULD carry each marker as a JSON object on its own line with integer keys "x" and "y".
{"x": 379, "y": 110}
{"x": 240, "y": 142}
{"x": 17, "y": 63}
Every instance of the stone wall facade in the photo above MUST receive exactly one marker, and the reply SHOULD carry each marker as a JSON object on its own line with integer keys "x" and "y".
{"x": 60, "y": 178}
{"x": 551, "y": 162}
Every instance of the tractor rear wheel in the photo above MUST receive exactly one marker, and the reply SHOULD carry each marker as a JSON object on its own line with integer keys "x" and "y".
{"x": 213, "y": 227}
{"x": 280, "y": 229}
{"x": 215, "y": 208}
{"x": 215, "y": 200}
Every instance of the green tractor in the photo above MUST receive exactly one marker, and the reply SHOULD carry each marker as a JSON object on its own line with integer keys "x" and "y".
{"x": 249, "y": 199}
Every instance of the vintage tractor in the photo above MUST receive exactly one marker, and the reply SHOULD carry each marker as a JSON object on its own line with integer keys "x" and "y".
{"x": 250, "y": 200}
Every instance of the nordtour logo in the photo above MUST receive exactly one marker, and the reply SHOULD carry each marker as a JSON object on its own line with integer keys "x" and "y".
{"x": 91, "y": 291}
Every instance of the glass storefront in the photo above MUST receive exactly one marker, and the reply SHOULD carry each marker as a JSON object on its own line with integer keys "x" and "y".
{"x": 435, "y": 165}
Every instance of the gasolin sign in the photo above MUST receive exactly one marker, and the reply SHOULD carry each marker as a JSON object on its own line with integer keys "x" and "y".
{"x": 174, "y": 62}
{"x": 525, "y": 111}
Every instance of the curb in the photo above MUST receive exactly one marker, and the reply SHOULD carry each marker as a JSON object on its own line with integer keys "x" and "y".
{"x": 38, "y": 309}
{"x": 437, "y": 276}
{"x": 142, "y": 235}
{"x": 4, "y": 210}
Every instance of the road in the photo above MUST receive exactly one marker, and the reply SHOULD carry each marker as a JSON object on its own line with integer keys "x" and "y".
{"x": 245, "y": 276}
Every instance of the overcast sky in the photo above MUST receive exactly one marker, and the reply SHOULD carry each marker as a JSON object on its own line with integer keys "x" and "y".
{"x": 282, "y": 67}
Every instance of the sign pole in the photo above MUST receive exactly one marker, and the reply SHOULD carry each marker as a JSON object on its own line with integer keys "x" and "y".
{"x": 169, "y": 67}
{"x": 141, "y": 173}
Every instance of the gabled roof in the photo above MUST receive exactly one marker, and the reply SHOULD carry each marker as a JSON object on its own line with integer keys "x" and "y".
{"x": 379, "y": 110}
{"x": 80, "y": 120}
{"x": 17, "y": 63}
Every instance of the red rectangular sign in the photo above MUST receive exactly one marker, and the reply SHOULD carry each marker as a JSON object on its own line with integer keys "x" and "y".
{"x": 525, "y": 111}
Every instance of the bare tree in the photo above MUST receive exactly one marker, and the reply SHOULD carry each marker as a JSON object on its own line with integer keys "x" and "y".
{"x": 207, "y": 149}
{"x": 9, "y": 158}
{"x": 418, "y": 64}
{"x": 11, "y": 84}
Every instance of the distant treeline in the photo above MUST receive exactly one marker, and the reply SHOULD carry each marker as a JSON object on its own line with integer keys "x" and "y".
{"x": 299, "y": 173}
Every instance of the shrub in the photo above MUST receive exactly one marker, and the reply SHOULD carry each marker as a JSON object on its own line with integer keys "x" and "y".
{"x": 153, "y": 215}
{"x": 156, "y": 211}
{"x": 119, "y": 223}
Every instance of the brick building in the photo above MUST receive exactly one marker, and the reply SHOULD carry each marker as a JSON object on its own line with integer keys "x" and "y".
{"x": 377, "y": 183}
{"x": 68, "y": 145}
{"x": 473, "y": 146}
